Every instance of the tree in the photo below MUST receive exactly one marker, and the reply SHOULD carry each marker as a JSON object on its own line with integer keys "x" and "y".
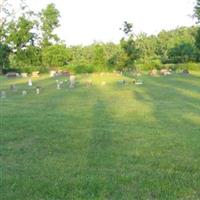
{"x": 197, "y": 11}
{"x": 20, "y": 33}
{"x": 147, "y": 46}
{"x": 118, "y": 60}
{"x": 4, "y": 56}
{"x": 99, "y": 57}
{"x": 50, "y": 21}
{"x": 29, "y": 57}
{"x": 55, "y": 56}
{"x": 182, "y": 53}
{"x": 197, "y": 15}
{"x": 129, "y": 45}
{"x": 127, "y": 28}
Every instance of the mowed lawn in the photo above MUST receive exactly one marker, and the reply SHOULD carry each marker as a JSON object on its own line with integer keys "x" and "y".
{"x": 101, "y": 142}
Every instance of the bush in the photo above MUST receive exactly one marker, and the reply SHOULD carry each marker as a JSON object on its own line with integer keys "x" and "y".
{"x": 182, "y": 66}
{"x": 31, "y": 69}
{"x": 151, "y": 64}
{"x": 79, "y": 69}
{"x": 6, "y": 70}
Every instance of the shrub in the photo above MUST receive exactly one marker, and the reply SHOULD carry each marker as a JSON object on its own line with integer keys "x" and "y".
{"x": 79, "y": 69}
{"x": 6, "y": 70}
{"x": 150, "y": 64}
{"x": 188, "y": 66}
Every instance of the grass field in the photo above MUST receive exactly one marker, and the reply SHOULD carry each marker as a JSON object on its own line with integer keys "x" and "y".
{"x": 101, "y": 142}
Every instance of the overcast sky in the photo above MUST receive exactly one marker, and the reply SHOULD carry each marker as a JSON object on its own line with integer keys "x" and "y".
{"x": 86, "y": 21}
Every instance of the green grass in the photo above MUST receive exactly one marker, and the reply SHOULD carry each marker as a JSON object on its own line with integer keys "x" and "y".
{"x": 101, "y": 142}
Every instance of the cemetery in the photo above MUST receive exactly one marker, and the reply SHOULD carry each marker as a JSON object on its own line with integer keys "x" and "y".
{"x": 92, "y": 125}
{"x": 93, "y": 107}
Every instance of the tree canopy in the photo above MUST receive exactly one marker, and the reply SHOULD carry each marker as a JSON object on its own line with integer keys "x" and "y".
{"x": 29, "y": 40}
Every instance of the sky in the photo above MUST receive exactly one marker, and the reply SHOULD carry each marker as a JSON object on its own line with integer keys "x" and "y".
{"x": 86, "y": 21}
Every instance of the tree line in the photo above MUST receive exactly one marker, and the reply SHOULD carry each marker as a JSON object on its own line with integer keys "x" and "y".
{"x": 28, "y": 42}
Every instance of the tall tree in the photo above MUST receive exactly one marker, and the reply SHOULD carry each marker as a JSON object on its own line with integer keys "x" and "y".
{"x": 50, "y": 21}
{"x": 129, "y": 46}
{"x": 55, "y": 56}
{"x": 20, "y": 33}
{"x": 197, "y": 11}
{"x": 197, "y": 15}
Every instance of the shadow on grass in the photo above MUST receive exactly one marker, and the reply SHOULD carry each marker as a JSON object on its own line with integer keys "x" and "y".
{"x": 108, "y": 142}
{"x": 175, "y": 111}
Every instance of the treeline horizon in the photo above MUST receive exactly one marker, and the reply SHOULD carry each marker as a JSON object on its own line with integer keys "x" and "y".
{"x": 29, "y": 43}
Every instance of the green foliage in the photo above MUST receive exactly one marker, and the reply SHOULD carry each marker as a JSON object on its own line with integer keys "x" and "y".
{"x": 197, "y": 10}
{"x": 150, "y": 64}
{"x": 117, "y": 61}
{"x": 198, "y": 39}
{"x": 32, "y": 42}
{"x": 55, "y": 56}
{"x": 99, "y": 58}
{"x": 127, "y": 28}
{"x": 79, "y": 69}
{"x": 50, "y": 21}
{"x": 129, "y": 46}
{"x": 188, "y": 66}
{"x": 31, "y": 56}
{"x": 20, "y": 33}
{"x": 168, "y": 40}
{"x": 182, "y": 53}
{"x": 4, "y": 56}
{"x": 147, "y": 46}
{"x": 197, "y": 15}
{"x": 131, "y": 50}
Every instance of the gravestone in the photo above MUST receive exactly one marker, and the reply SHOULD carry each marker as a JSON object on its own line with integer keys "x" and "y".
{"x": 153, "y": 72}
{"x": 24, "y": 75}
{"x": 24, "y": 93}
{"x": 139, "y": 82}
{"x": 58, "y": 86}
{"x": 35, "y": 74}
{"x": 165, "y": 72}
{"x": 122, "y": 82}
{"x": 12, "y": 74}
{"x": 3, "y": 94}
{"x": 185, "y": 72}
{"x": 89, "y": 83}
{"x": 37, "y": 90}
{"x": 52, "y": 73}
{"x": 13, "y": 87}
{"x": 71, "y": 81}
{"x": 30, "y": 82}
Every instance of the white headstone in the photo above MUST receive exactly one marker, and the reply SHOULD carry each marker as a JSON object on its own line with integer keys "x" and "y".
{"x": 30, "y": 82}
{"x": 24, "y": 75}
{"x": 37, "y": 90}
{"x": 139, "y": 82}
{"x": 52, "y": 73}
{"x": 24, "y": 93}
{"x": 71, "y": 81}
{"x": 58, "y": 86}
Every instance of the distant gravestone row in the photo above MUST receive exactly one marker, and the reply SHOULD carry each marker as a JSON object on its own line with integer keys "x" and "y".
{"x": 71, "y": 82}
{"x": 134, "y": 81}
{"x": 165, "y": 72}
{"x": 13, "y": 88}
{"x": 34, "y": 74}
